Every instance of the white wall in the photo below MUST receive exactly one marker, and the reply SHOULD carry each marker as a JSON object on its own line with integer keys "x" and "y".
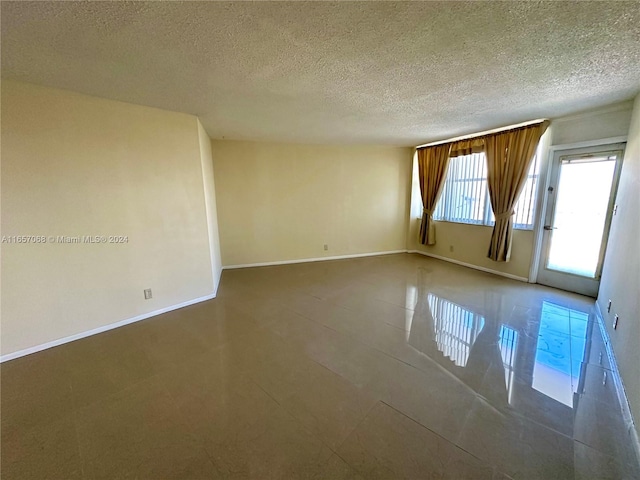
{"x": 280, "y": 202}
{"x": 621, "y": 273}
{"x": 78, "y": 165}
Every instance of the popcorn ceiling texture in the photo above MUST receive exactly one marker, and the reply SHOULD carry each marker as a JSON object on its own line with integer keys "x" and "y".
{"x": 400, "y": 73}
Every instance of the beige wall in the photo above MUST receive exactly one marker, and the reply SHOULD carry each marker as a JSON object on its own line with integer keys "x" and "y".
{"x": 470, "y": 245}
{"x": 206, "y": 162}
{"x": 279, "y": 202}
{"x": 621, "y": 274}
{"x": 79, "y": 165}
{"x": 471, "y": 242}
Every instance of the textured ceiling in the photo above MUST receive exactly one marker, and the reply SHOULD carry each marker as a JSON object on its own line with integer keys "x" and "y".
{"x": 398, "y": 73}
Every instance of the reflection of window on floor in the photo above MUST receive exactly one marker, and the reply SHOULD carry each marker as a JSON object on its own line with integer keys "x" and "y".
{"x": 508, "y": 349}
{"x": 411, "y": 298}
{"x": 560, "y": 350}
{"x": 456, "y": 328}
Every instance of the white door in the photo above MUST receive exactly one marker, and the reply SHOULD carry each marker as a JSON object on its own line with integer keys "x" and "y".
{"x": 580, "y": 204}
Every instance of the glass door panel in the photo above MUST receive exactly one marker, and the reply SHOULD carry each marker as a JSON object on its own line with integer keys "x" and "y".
{"x": 579, "y": 206}
{"x": 584, "y": 188}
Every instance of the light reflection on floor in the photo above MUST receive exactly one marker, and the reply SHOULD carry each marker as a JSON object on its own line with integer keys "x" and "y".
{"x": 559, "y": 350}
{"x": 508, "y": 351}
{"x": 449, "y": 335}
{"x": 456, "y": 328}
{"x": 403, "y": 366}
{"x": 554, "y": 373}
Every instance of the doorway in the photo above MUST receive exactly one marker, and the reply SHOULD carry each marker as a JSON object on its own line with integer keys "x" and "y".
{"x": 580, "y": 204}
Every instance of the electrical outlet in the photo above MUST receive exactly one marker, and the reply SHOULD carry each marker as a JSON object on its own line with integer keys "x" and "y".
{"x": 326, "y": 247}
{"x": 609, "y": 306}
{"x": 615, "y": 322}
{"x": 147, "y": 294}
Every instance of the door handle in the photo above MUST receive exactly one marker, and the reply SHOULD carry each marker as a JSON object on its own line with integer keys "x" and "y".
{"x": 549, "y": 227}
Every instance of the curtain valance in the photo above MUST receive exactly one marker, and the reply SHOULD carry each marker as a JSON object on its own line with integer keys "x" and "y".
{"x": 467, "y": 147}
{"x": 509, "y": 154}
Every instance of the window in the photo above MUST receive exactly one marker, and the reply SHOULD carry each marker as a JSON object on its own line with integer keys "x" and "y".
{"x": 465, "y": 195}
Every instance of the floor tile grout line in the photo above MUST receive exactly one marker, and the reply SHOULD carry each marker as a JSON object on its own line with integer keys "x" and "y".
{"x": 360, "y": 422}
{"x": 436, "y": 364}
{"x": 439, "y": 435}
{"x": 522, "y": 416}
{"x": 183, "y": 422}
{"x": 305, "y": 428}
{"x": 284, "y": 302}
{"x": 296, "y": 421}
{"x": 81, "y": 454}
{"x": 361, "y": 343}
{"x": 628, "y": 464}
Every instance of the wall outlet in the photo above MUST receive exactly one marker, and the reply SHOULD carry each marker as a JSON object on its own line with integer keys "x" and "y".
{"x": 451, "y": 248}
{"x": 609, "y": 306}
{"x": 326, "y": 247}
{"x": 615, "y": 322}
{"x": 147, "y": 294}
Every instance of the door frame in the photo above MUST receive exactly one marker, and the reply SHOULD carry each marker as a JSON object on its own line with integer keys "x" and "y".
{"x": 565, "y": 280}
{"x": 542, "y": 202}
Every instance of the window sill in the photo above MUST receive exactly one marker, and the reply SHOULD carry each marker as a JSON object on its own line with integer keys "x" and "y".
{"x": 526, "y": 229}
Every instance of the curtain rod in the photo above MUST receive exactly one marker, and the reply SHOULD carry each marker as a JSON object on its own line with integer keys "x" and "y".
{"x": 480, "y": 134}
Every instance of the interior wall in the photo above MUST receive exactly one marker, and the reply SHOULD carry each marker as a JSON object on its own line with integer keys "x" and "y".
{"x": 75, "y": 166}
{"x": 621, "y": 273}
{"x": 470, "y": 243}
{"x": 206, "y": 162}
{"x": 281, "y": 202}
{"x": 608, "y": 122}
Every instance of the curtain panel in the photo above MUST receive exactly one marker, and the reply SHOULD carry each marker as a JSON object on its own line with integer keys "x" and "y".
{"x": 432, "y": 170}
{"x": 509, "y": 155}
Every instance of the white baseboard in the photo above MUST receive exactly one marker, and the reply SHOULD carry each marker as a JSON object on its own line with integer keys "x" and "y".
{"x": 622, "y": 395}
{"x": 374, "y": 254}
{"x": 216, "y": 282}
{"x": 111, "y": 326}
{"x": 470, "y": 265}
{"x": 104, "y": 328}
{"x": 306, "y": 260}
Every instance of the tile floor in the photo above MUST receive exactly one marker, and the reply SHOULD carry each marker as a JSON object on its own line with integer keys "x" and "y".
{"x": 397, "y": 366}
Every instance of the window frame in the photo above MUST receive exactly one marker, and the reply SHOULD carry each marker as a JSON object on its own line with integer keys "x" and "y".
{"x": 488, "y": 219}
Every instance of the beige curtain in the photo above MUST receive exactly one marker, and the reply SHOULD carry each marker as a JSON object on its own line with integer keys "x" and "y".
{"x": 432, "y": 170}
{"x": 509, "y": 155}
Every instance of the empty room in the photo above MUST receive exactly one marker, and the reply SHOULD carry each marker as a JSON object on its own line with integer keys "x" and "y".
{"x": 320, "y": 240}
